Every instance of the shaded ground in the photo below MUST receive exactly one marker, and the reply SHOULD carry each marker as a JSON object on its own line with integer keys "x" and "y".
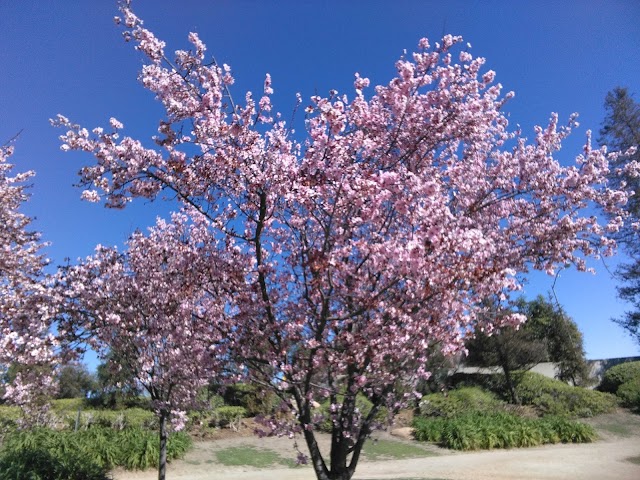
{"x": 609, "y": 458}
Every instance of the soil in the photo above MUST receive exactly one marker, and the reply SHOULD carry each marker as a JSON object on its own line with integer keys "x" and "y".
{"x": 607, "y": 458}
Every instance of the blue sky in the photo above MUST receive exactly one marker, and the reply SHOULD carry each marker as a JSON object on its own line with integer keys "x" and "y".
{"x": 68, "y": 57}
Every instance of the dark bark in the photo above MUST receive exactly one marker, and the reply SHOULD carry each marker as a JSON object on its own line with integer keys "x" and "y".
{"x": 162, "y": 463}
{"x": 510, "y": 386}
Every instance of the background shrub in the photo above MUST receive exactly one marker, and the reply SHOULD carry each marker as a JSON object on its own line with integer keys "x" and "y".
{"x": 475, "y": 431}
{"x": 553, "y": 397}
{"x": 629, "y": 393}
{"x": 616, "y": 376}
{"x": 84, "y": 455}
{"x": 459, "y": 401}
{"x": 363, "y": 404}
{"x": 253, "y": 399}
{"x": 227, "y": 416}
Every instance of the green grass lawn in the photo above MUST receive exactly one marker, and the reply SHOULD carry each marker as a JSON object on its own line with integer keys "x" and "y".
{"x": 246, "y": 455}
{"x": 391, "y": 450}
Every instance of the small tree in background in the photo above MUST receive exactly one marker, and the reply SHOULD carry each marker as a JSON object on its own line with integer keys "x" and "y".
{"x": 564, "y": 342}
{"x": 153, "y": 310}
{"x": 509, "y": 348}
{"x": 26, "y": 303}
{"x": 116, "y": 385}
{"x": 548, "y": 335}
{"x": 74, "y": 381}
{"x": 358, "y": 248}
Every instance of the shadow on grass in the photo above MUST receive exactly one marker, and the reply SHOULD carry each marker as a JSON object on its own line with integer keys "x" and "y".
{"x": 391, "y": 450}
{"x": 246, "y": 455}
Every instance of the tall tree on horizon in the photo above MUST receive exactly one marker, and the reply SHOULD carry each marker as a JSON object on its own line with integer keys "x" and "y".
{"x": 621, "y": 132}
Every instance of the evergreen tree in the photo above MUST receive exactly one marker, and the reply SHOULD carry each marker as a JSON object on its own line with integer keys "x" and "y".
{"x": 621, "y": 131}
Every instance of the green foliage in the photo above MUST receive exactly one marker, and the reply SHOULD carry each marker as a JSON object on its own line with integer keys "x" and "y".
{"x": 75, "y": 381}
{"x": 616, "y": 376}
{"x": 629, "y": 393}
{"x": 547, "y": 322}
{"x": 253, "y": 399}
{"x": 229, "y": 416}
{"x": 491, "y": 382}
{"x": 116, "y": 419}
{"x": 553, "y": 397}
{"x": 83, "y": 455}
{"x": 548, "y": 335}
{"x": 116, "y": 385}
{"x": 459, "y": 401}
{"x": 475, "y": 431}
{"x": 9, "y": 417}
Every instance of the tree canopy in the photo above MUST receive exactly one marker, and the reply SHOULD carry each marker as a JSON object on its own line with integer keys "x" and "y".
{"x": 335, "y": 261}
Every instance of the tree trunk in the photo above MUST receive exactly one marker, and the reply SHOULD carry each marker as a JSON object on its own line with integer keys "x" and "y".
{"x": 162, "y": 463}
{"x": 512, "y": 389}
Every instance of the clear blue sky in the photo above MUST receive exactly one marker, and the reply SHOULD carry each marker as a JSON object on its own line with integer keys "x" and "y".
{"x": 68, "y": 57}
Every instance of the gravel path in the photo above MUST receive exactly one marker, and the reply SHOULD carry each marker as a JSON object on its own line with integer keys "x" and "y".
{"x": 606, "y": 459}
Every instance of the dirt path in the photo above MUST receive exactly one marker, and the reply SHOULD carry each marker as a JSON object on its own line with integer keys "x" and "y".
{"x": 606, "y": 459}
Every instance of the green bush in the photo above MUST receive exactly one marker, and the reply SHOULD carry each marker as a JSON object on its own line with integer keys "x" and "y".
{"x": 475, "y": 431}
{"x": 255, "y": 400}
{"x": 493, "y": 382}
{"x": 9, "y": 417}
{"x": 83, "y": 455}
{"x": 229, "y": 416}
{"x": 616, "y": 376}
{"x": 456, "y": 402}
{"x": 629, "y": 393}
{"x": 553, "y": 397}
{"x": 116, "y": 419}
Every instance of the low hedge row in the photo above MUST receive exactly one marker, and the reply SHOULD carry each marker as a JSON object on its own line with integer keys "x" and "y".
{"x": 44, "y": 454}
{"x": 475, "y": 431}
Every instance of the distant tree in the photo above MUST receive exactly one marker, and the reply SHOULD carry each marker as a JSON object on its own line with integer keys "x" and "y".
{"x": 116, "y": 385}
{"x": 621, "y": 131}
{"x": 547, "y": 322}
{"x": 509, "y": 348}
{"x": 145, "y": 310}
{"x": 75, "y": 381}
{"x": 548, "y": 335}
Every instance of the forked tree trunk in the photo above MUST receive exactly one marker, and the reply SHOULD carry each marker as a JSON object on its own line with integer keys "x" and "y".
{"x": 162, "y": 461}
{"x": 343, "y": 462}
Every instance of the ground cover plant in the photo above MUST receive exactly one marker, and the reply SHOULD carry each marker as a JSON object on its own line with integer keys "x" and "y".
{"x": 459, "y": 401}
{"x": 83, "y": 455}
{"x": 475, "y": 431}
{"x": 251, "y": 456}
{"x": 546, "y": 395}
